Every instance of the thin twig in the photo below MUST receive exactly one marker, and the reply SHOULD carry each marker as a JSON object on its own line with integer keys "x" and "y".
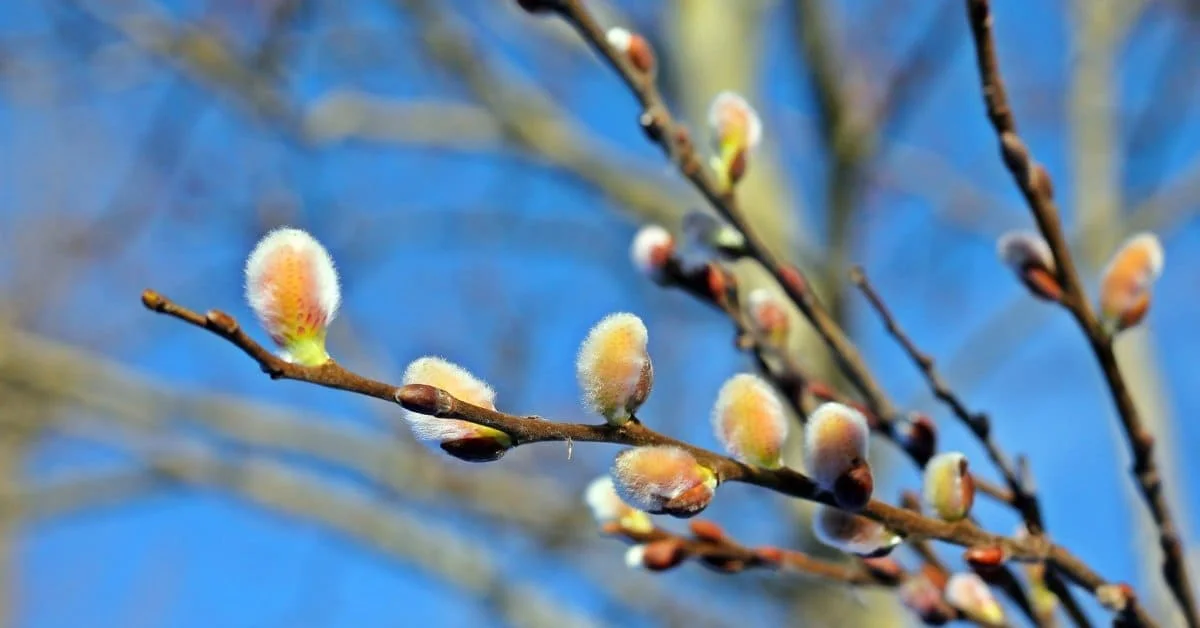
{"x": 676, "y": 142}
{"x": 711, "y": 547}
{"x": 1024, "y": 497}
{"x": 1035, "y": 185}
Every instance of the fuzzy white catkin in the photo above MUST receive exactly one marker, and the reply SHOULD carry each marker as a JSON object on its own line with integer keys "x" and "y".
{"x": 835, "y": 436}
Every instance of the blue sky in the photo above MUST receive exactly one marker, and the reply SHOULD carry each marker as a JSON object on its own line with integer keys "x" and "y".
{"x": 503, "y": 265}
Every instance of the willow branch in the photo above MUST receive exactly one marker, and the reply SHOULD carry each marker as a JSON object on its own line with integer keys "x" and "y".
{"x": 676, "y": 142}
{"x": 523, "y": 430}
{"x": 1035, "y": 185}
{"x": 710, "y": 546}
{"x": 1024, "y": 497}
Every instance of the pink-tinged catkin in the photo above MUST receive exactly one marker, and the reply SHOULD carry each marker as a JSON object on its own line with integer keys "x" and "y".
{"x": 614, "y": 367}
{"x": 608, "y": 507}
{"x": 836, "y": 439}
{"x": 652, "y": 247}
{"x": 461, "y": 439}
{"x": 1126, "y": 280}
{"x": 736, "y": 130}
{"x": 292, "y": 286}
{"x": 1030, "y": 258}
{"x": 853, "y": 533}
{"x": 750, "y": 421}
{"x": 968, "y": 593}
{"x": 768, "y": 315}
{"x": 663, "y": 480}
{"x": 948, "y": 487}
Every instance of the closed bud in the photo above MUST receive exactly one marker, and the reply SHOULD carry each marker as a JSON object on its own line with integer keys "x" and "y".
{"x": 706, "y": 531}
{"x": 949, "y": 488}
{"x": 750, "y": 421}
{"x": 663, "y": 554}
{"x": 918, "y": 435}
{"x": 635, "y": 48}
{"x": 769, "y": 316}
{"x": 737, "y": 130}
{"x": 1029, "y": 256}
{"x": 968, "y": 593}
{"x": 835, "y": 450}
{"x": 462, "y": 439}
{"x": 663, "y": 480}
{"x": 1125, "y": 283}
{"x": 614, "y": 367}
{"x": 853, "y": 533}
{"x": 985, "y": 560}
{"x": 923, "y": 597}
{"x": 652, "y": 248}
{"x": 292, "y": 286}
{"x": 608, "y": 507}
{"x": 1115, "y": 597}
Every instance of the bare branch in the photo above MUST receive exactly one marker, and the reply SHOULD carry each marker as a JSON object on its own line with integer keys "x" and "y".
{"x": 530, "y": 429}
{"x": 1035, "y": 185}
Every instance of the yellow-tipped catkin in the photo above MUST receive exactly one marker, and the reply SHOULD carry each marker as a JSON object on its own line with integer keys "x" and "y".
{"x": 292, "y": 286}
{"x": 769, "y": 316}
{"x": 608, "y": 507}
{"x": 1125, "y": 283}
{"x": 1030, "y": 258}
{"x": 750, "y": 421}
{"x": 970, "y": 594}
{"x": 736, "y": 130}
{"x": 461, "y": 439}
{"x": 614, "y": 367}
{"x": 663, "y": 480}
{"x": 948, "y": 487}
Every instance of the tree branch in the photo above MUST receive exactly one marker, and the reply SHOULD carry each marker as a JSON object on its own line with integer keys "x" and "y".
{"x": 1035, "y": 185}
{"x": 530, "y": 429}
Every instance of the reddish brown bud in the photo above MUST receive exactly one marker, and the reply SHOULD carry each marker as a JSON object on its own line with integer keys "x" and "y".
{"x": 853, "y": 489}
{"x": 772, "y": 555}
{"x": 985, "y": 560}
{"x": 663, "y": 555}
{"x": 635, "y": 48}
{"x": 707, "y": 531}
{"x": 718, "y": 283}
{"x": 792, "y": 278}
{"x": 918, "y": 434}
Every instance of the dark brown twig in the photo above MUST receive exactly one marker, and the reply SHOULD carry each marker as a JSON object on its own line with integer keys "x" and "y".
{"x": 1035, "y": 185}
{"x": 528, "y": 429}
{"x": 1024, "y": 497}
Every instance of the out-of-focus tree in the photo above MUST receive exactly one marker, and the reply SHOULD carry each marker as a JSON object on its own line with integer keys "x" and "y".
{"x": 476, "y": 174}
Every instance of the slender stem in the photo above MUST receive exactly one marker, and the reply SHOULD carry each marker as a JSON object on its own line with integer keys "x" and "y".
{"x": 1035, "y": 185}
